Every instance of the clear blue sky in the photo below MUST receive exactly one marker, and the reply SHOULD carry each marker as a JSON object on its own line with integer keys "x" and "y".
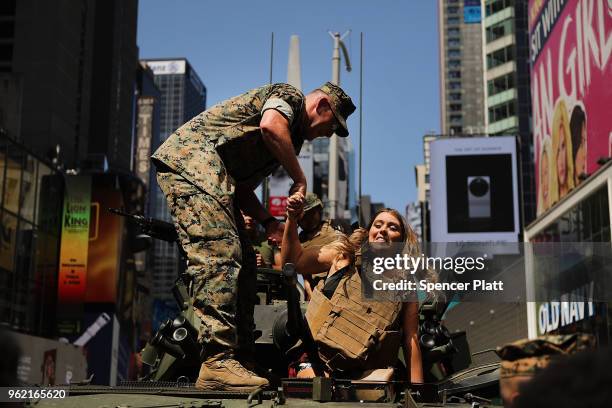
{"x": 228, "y": 43}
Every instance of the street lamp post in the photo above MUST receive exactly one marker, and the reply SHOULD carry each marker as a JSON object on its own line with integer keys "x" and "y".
{"x": 332, "y": 189}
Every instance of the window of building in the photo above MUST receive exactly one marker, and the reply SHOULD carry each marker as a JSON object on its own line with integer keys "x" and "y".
{"x": 7, "y": 29}
{"x": 454, "y": 42}
{"x": 452, "y": 20}
{"x": 503, "y": 111}
{"x": 456, "y": 130}
{"x": 454, "y": 96}
{"x": 452, "y": 9}
{"x": 7, "y": 7}
{"x": 453, "y": 31}
{"x": 454, "y": 74}
{"x": 499, "y": 30}
{"x": 454, "y": 53}
{"x": 454, "y": 85}
{"x": 455, "y": 107}
{"x": 500, "y": 84}
{"x": 588, "y": 221}
{"x": 456, "y": 119}
{"x": 6, "y": 52}
{"x": 454, "y": 63}
{"x": 500, "y": 56}
{"x": 494, "y": 6}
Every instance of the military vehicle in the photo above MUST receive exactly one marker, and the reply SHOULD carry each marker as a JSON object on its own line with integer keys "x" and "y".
{"x": 173, "y": 356}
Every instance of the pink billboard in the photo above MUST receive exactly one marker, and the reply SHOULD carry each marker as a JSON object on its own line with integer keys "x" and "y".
{"x": 571, "y": 94}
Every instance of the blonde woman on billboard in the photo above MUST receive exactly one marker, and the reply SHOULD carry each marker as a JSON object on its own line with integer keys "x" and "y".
{"x": 562, "y": 150}
{"x": 548, "y": 193}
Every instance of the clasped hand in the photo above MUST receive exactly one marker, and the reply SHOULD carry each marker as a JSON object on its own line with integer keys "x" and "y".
{"x": 295, "y": 205}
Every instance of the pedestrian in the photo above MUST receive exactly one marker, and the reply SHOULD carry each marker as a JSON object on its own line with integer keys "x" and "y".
{"x": 208, "y": 169}
{"x": 264, "y": 253}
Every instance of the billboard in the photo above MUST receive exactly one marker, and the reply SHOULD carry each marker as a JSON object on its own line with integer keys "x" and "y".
{"x": 570, "y": 48}
{"x": 474, "y": 190}
{"x": 472, "y": 12}
{"x": 72, "y": 278}
{"x": 105, "y": 242}
{"x": 48, "y": 362}
{"x": 144, "y": 137}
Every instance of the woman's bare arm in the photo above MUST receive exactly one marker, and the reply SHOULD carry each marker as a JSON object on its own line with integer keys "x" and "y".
{"x": 412, "y": 351}
{"x": 306, "y": 262}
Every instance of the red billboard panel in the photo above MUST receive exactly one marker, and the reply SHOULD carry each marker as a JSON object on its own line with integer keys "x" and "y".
{"x": 277, "y": 206}
{"x": 570, "y": 88}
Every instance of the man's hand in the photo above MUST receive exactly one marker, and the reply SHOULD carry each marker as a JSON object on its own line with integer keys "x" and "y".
{"x": 259, "y": 260}
{"x": 274, "y": 232}
{"x": 298, "y": 187}
{"x": 295, "y": 205}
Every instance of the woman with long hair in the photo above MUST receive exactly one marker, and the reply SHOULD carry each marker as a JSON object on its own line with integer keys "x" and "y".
{"x": 562, "y": 150}
{"x": 343, "y": 286}
{"x": 548, "y": 189}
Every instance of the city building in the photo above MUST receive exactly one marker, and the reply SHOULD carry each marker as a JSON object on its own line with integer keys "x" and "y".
{"x": 423, "y": 187}
{"x": 413, "y": 217}
{"x": 183, "y": 96}
{"x": 147, "y": 128}
{"x": 30, "y": 219}
{"x": 484, "y": 77}
{"x": 462, "y": 96}
{"x": 508, "y": 100}
{"x": 368, "y": 209}
{"x": 573, "y": 183}
{"x": 75, "y": 62}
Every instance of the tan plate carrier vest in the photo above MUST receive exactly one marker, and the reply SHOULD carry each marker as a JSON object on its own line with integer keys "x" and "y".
{"x": 353, "y": 333}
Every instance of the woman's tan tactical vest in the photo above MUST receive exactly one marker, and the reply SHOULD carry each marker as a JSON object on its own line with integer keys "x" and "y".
{"x": 354, "y": 333}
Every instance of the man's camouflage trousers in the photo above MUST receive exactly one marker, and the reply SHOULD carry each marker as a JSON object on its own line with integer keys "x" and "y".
{"x": 221, "y": 262}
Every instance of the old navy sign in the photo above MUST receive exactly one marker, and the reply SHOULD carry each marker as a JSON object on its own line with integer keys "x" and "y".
{"x": 571, "y": 308}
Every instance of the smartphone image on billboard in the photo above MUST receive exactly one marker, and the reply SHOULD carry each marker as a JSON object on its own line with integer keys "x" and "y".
{"x": 479, "y": 196}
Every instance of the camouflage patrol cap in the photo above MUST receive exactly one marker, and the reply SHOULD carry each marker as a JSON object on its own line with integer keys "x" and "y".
{"x": 312, "y": 201}
{"x": 526, "y": 357}
{"x": 341, "y": 105}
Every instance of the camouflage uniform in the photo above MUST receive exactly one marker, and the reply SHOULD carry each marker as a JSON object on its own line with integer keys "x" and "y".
{"x": 198, "y": 167}
{"x": 326, "y": 235}
{"x": 261, "y": 246}
{"x": 524, "y": 358}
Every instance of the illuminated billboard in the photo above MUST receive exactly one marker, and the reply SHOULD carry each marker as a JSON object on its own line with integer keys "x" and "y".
{"x": 474, "y": 190}
{"x": 570, "y": 44}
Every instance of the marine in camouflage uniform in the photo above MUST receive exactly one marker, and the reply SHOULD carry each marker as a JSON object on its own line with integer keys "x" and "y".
{"x": 200, "y": 168}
